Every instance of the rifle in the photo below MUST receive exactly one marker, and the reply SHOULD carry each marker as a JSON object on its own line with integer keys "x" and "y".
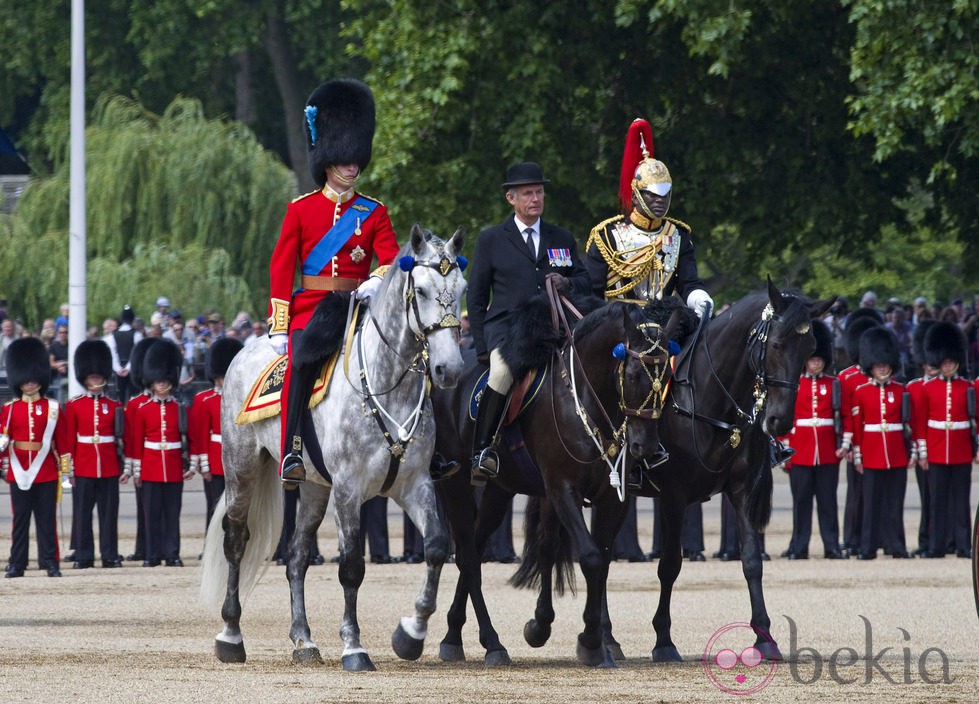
{"x": 970, "y": 406}
{"x": 837, "y": 401}
{"x": 906, "y": 422}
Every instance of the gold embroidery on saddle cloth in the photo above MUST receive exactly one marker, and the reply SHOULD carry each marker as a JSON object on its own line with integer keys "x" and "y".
{"x": 264, "y": 398}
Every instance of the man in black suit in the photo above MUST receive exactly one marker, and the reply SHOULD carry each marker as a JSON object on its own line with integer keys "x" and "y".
{"x": 510, "y": 265}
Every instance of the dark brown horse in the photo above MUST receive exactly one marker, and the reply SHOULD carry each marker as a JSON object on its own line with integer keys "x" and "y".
{"x": 593, "y": 415}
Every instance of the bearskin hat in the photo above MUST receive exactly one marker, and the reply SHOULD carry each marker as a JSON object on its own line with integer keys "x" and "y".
{"x": 27, "y": 361}
{"x": 855, "y": 328}
{"x": 878, "y": 345}
{"x": 136, "y": 358}
{"x": 339, "y": 126}
{"x": 219, "y": 359}
{"x": 918, "y": 340}
{"x": 824, "y": 343}
{"x": 162, "y": 363}
{"x": 945, "y": 340}
{"x": 93, "y": 357}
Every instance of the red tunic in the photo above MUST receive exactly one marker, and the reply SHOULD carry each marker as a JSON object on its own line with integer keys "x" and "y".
{"x": 813, "y": 435}
{"x": 307, "y": 220}
{"x": 204, "y": 429}
{"x": 877, "y": 427}
{"x": 941, "y": 419}
{"x": 91, "y": 436}
{"x": 850, "y": 378}
{"x": 156, "y": 441}
{"x": 128, "y": 442}
{"x": 26, "y": 422}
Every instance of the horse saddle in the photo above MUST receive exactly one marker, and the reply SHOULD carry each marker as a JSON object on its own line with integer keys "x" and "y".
{"x": 521, "y": 396}
{"x": 264, "y": 400}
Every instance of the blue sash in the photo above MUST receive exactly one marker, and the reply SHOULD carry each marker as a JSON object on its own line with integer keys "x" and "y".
{"x": 333, "y": 241}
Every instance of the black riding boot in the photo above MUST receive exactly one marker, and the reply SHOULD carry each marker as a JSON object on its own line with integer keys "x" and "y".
{"x": 640, "y": 481}
{"x": 440, "y": 468}
{"x": 780, "y": 453}
{"x": 489, "y": 417}
{"x": 293, "y": 471}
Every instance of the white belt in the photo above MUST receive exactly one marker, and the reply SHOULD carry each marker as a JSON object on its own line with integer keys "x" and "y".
{"x": 883, "y": 428}
{"x": 215, "y": 437}
{"x": 149, "y": 444}
{"x": 949, "y": 424}
{"x": 95, "y": 439}
{"x": 813, "y": 422}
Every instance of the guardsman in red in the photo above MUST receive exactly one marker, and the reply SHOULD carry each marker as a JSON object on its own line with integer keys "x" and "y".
{"x": 914, "y": 388}
{"x": 92, "y": 448}
{"x": 33, "y": 436}
{"x": 858, "y": 322}
{"x": 142, "y": 393}
{"x": 333, "y": 234}
{"x": 944, "y": 435}
{"x": 814, "y": 469}
{"x": 158, "y": 464}
{"x": 204, "y": 423}
{"x": 879, "y": 449}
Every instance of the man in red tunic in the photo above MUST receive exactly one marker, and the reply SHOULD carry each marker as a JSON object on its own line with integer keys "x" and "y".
{"x": 33, "y": 436}
{"x": 914, "y": 389}
{"x": 943, "y": 434}
{"x": 333, "y": 235}
{"x": 204, "y": 423}
{"x": 92, "y": 448}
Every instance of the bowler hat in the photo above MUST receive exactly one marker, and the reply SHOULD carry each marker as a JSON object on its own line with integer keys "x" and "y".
{"x": 523, "y": 174}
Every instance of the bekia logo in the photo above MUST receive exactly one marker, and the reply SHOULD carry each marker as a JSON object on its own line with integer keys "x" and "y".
{"x": 733, "y": 662}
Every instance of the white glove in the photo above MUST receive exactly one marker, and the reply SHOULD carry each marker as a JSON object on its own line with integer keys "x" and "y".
{"x": 195, "y": 463}
{"x": 368, "y": 288}
{"x": 204, "y": 464}
{"x": 698, "y": 300}
{"x": 127, "y": 466}
{"x": 279, "y": 342}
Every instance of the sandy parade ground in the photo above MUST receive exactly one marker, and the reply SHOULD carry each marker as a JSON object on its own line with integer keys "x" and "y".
{"x": 875, "y": 631}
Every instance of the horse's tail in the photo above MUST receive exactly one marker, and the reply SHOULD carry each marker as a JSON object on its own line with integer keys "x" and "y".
{"x": 264, "y": 527}
{"x": 758, "y": 503}
{"x": 547, "y": 545}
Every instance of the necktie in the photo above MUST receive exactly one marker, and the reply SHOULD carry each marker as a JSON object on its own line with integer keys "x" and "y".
{"x": 529, "y": 234}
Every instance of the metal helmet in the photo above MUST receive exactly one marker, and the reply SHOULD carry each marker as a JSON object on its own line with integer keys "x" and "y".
{"x": 640, "y": 171}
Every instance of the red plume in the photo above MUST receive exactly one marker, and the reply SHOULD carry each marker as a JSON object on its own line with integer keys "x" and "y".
{"x": 640, "y": 134}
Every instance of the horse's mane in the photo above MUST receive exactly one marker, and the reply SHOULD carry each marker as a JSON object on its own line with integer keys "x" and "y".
{"x": 796, "y": 313}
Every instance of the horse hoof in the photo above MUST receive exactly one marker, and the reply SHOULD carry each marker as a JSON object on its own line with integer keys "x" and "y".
{"x": 594, "y": 657}
{"x": 497, "y": 658}
{"x": 449, "y": 652}
{"x": 666, "y": 653}
{"x": 405, "y": 646}
{"x": 536, "y": 633}
{"x": 229, "y": 652}
{"x": 769, "y": 650}
{"x": 357, "y": 662}
{"x": 615, "y": 650}
{"x": 307, "y": 656}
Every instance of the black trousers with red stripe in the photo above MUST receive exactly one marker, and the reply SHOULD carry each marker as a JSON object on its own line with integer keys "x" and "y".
{"x": 41, "y": 501}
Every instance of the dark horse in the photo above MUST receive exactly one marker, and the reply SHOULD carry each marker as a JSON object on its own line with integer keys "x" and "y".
{"x": 733, "y": 389}
{"x": 596, "y": 406}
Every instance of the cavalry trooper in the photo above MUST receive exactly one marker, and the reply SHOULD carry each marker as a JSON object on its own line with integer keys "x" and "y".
{"x": 33, "y": 439}
{"x": 204, "y": 423}
{"x": 814, "y": 468}
{"x": 915, "y": 388}
{"x": 333, "y": 234}
{"x": 879, "y": 449}
{"x": 642, "y": 255}
{"x": 92, "y": 432}
{"x": 944, "y": 414}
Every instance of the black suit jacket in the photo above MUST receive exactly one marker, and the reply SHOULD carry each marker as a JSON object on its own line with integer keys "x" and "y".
{"x": 504, "y": 276}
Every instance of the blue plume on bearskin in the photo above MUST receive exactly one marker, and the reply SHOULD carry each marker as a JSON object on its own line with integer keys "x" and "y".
{"x": 824, "y": 343}
{"x": 852, "y": 333}
{"x": 136, "y": 358}
{"x": 27, "y": 361}
{"x": 878, "y": 345}
{"x": 945, "y": 340}
{"x": 324, "y": 331}
{"x": 220, "y": 355}
{"x": 92, "y": 357}
{"x": 163, "y": 362}
{"x": 344, "y": 126}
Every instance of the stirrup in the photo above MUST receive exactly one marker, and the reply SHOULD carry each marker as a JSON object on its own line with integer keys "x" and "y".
{"x": 485, "y": 465}
{"x": 293, "y": 471}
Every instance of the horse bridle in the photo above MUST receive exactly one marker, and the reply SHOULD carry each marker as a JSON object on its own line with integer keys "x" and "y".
{"x": 657, "y": 378}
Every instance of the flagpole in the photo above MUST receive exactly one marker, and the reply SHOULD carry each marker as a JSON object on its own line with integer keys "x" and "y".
{"x": 77, "y": 289}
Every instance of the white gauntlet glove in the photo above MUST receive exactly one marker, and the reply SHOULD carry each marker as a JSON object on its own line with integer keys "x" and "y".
{"x": 368, "y": 288}
{"x": 279, "y": 342}
{"x": 698, "y": 301}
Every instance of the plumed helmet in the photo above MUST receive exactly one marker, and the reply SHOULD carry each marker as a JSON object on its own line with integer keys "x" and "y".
{"x": 945, "y": 340}
{"x": 136, "y": 358}
{"x": 855, "y": 328}
{"x": 339, "y": 126}
{"x": 92, "y": 357}
{"x": 918, "y": 340}
{"x": 824, "y": 343}
{"x": 27, "y": 361}
{"x": 878, "y": 345}
{"x": 162, "y": 363}
{"x": 219, "y": 359}
{"x": 640, "y": 171}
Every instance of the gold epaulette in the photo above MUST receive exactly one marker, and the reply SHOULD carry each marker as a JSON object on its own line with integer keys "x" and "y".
{"x": 595, "y": 236}
{"x": 307, "y": 195}
{"x": 369, "y": 198}
{"x": 681, "y": 224}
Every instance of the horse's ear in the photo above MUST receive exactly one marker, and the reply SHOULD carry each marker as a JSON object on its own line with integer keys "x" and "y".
{"x": 817, "y": 309}
{"x": 454, "y": 245}
{"x": 773, "y": 291}
{"x": 417, "y": 238}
